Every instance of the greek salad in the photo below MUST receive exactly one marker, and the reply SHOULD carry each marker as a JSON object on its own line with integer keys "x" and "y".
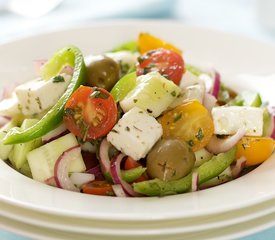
{"x": 134, "y": 121}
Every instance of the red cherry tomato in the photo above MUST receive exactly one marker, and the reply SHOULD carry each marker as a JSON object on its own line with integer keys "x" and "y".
{"x": 90, "y": 113}
{"x": 98, "y": 188}
{"x": 168, "y": 63}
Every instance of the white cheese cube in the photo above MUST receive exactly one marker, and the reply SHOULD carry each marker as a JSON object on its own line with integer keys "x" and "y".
{"x": 189, "y": 79}
{"x": 228, "y": 120}
{"x": 9, "y": 107}
{"x": 193, "y": 92}
{"x": 38, "y": 95}
{"x": 135, "y": 133}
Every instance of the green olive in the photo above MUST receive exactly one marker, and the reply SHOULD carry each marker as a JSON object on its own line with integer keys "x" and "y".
{"x": 170, "y": 159}
{"x": 102, "y": 72}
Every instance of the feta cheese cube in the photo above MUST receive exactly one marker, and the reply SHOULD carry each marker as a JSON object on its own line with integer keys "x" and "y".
{"x": 228, "y": 120}
{"x": 135, "y": 133}
{"x": 39, "y": 95}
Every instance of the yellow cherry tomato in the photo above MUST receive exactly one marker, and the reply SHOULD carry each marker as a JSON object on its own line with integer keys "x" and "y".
{"x": 190, "y": 122}
{"x": 147, "y": 42}
{"x": 255, "y": 149}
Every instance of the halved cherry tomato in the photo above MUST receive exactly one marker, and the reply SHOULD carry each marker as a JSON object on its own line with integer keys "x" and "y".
{"x": 168, "y": 63}
{"x": 90, "y": 113}
{"x": 190, "y": 122}
{"x": 147, "y": 42}
{"x": 98, "y": 188}
{"x": 255, "y": 149}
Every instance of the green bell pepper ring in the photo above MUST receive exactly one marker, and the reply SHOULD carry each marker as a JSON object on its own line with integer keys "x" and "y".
{"x": 69, "y": 55}
{"x": 206, "y": 171}
{"x": 123, "y": 86}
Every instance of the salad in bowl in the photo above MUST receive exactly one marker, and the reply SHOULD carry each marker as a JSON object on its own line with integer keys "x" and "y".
{"x": 135, "y": 121}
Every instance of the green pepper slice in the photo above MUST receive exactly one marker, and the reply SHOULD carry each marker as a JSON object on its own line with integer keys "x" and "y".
{"x": 69, "y": 55}
{"x": 206, "y": 171}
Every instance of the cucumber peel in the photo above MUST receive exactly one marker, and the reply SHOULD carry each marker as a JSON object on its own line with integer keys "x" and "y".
{"x": 212, "y": 168}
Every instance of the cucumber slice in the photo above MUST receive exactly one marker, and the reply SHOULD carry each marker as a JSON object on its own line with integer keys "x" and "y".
{"x": 153, "y": 93}
{"x": 42, "y": 160}
{"x": 5, "y": 149}
{"x": 18, "y": 155}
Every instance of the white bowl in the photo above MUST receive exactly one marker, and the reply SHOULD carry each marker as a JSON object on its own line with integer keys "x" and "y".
{"x": 232, "y": 55}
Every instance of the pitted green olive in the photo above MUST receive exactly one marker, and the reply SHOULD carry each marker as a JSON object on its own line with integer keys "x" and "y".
{"x": 102, "y": 72}
{"x": 170, "y": 159}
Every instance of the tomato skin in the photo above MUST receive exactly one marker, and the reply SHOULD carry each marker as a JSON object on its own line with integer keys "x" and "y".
{"x": 98, "y": 188}
{"x": 190, "y": 122}
{"x": 168, "y": 63}
{"x": 90, "y": 113}
{"x": 255, "y": 149}
{"x": 130, "y": 163}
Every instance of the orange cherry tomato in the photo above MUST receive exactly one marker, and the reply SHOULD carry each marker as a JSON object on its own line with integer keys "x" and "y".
{"x": 98, "y": 188}
{"x": 147, "y": 42}
{"x": 90, "y": 113}
{"x": 190, "y": 122}
{"x": 168, "y": 63}
{"x": 255, "y": 149}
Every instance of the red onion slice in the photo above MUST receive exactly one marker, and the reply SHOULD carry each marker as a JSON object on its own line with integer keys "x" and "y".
{"x": 79, "y": 178}
{"x": 209, "y": 101}
{"x": 51, "y": 181}
{"x": 69, "y": 70}
{"x": 58, "y": 132}
{"x": 118, "y": 190}
{"x": 218, "y": 145}
{"x": 104, "y": 159}
{"x": 195, "y": 182}
{"x": 216, "y": 84}
{"x": 96, "y": 171}
{"x": 61, "y": 168}
{"x": 238, "y": 167}
{"x": 272, "y": 127}
{"x": 37, "y": 64}
{"x": 4, "y": 120}
{"x": 116, "y": 175}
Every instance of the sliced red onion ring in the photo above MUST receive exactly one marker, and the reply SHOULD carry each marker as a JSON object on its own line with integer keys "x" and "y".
{"x": 79, "y": 179}
{"x": 51, "y": 181}
{"x": 238, "y": 167}
{"x": 216, "y": 84}
{"x": 96, "y": 171}
{"x": 58, "y": 132}
{"x": 209, "y": 101}
{"x": 104, "y": 159}
{"x": 61, "y": 168}
{"x": 37, "y": 64}
{"x": 4, "y": 120}
{"x": 116, "y": 175}
{"x": 218, "y": 145}
{"x": 68, "y": 70}
{"x": 118, "y": 190}
{"x": 272, "y": 127}
{"x": 195, "y": 182}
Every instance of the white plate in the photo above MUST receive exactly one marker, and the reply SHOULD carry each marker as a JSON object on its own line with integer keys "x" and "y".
{"x": 231, "y": 55}
{"x": 142, "y": 229}
{"x": 230, "y": 232}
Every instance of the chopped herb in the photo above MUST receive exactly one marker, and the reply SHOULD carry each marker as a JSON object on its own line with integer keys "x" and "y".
{"x": 190, "y": 143}
{"x": 137, "y": 129}
{"x": 135, "y": 100}
{"x": 98, "y": 94}
{"x": 177, "y": 117}
{"x": 58, "y": 79}
{"x": 127, "y": 128}
{"x": 149, "y": 110}
{"x": 38, "y": 102}
{"x": 174, "y": 94}
{"x": 200, "y": 135}
{"x": 114, "y": 131}
{"x": 69, "y": 112}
